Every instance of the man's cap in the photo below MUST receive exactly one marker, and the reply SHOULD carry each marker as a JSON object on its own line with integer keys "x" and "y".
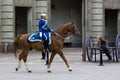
{"x": 43, "y": 14}
{"x": 98, "y": 37}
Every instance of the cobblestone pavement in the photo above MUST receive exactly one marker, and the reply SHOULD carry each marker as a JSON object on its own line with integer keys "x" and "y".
{"x": 81, "y": 70}
{"x": 72, "y": 55}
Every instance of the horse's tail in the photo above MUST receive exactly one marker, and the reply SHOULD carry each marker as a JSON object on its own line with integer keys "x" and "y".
{"x": 16, "y": 45}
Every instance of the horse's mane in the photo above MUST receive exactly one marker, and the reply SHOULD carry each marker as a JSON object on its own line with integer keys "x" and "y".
{"x": 63, "y": 26}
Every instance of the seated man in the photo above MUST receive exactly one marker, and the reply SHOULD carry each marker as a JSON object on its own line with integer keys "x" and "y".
{"x": 44, "y": 32}
{"x": 102, "y": 43}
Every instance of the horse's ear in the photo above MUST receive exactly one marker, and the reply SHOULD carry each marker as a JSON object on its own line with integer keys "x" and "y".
{"x": 72, "y": 22}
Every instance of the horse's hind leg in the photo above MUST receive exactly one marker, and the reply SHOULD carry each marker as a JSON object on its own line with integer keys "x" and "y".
{"x": 19, "y": 62}
{"x": 24, "y": 57}
{"x": 25, "y": 61}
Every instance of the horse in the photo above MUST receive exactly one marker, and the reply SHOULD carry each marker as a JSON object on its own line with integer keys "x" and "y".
{"x": 56, "y": 47}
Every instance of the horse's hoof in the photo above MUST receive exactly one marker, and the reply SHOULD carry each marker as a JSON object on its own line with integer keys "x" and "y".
{"x": 49, "y": 71}
{"x": 16, "y": 69}
{"x": 70, "y": 69}
{"x": 29, "y": 71}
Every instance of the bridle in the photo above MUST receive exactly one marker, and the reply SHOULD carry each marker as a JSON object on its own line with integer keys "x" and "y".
{"x": 72, "y": 29}
{"x": 61, "y": 36}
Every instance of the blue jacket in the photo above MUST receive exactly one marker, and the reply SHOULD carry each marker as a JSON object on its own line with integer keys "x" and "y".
{"x": 44, "y": 31}
{"x": 43, "y": 26}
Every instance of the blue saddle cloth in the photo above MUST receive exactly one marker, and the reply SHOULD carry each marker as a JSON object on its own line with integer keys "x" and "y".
{"x": 35, "y": 37}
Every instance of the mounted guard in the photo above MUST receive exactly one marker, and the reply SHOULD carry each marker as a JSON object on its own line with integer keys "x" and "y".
{"x": 44, "y": 34}
{"x": 44, "y": 31}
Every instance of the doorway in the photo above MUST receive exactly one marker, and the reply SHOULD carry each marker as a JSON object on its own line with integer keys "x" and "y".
{"x": 63, "y": 11}
{"x": 111, "y": 17}
{"x": 22, "y": 16}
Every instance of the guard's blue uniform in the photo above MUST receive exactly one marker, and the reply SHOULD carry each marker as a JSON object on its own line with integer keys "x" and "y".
{"x": 44, "y": 31}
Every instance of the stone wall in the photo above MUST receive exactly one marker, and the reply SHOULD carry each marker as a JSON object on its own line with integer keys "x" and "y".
{"x": 7, "y": 21}
{"x": 0, "y": 21}
{"x": 111, "y": 4}
{"x": 41, "y": 7}
{"x": 95, "y": 18}
{"x": 25, "y": 3}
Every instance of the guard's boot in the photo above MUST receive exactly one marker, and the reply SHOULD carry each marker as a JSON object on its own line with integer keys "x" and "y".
{"x": 43, "y": 56}
{"x": 49, "y": 48}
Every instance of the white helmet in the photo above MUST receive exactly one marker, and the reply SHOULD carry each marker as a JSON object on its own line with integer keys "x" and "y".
{"x": 43, "y": 14}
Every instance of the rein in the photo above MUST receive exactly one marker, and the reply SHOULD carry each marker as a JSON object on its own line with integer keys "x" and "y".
{"x": 62, "y": 37}
{"x": 59, "y": 35}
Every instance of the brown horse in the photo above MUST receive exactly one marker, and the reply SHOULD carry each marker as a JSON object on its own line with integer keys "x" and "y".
{"x": 56, "y": 46}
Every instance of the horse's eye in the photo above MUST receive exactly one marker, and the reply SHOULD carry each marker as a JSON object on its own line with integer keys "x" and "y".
{"x": 73, "y": 27}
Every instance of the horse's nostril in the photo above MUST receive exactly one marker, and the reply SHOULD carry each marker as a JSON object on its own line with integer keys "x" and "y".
{"x": 78, "y": 33}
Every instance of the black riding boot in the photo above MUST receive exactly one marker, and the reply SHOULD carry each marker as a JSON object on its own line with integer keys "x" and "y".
{"x": 46, "y": 51}
{"x": 43, "y": 55}
{"x": 46, "y": 45}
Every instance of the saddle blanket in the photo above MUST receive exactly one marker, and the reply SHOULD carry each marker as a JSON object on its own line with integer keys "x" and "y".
{"x": 35, "y": 37}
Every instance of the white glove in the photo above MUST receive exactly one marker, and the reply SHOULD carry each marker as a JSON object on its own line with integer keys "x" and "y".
{"x": 40, "y": 34}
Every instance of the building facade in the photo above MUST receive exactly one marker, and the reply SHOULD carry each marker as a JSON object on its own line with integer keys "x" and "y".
{"x": 18, "y": 17}
{"x": 93, "y": 17}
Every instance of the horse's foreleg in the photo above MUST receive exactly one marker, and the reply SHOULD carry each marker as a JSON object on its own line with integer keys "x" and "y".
{"x": 50, "y": 61}
{"x": 64, "y": 59}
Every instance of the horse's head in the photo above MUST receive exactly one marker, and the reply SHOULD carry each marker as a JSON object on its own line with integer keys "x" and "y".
{"x": 73, "y": 28}
{"x": 66, "y": 28}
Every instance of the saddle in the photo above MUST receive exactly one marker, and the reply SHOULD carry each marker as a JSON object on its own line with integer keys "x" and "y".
{"x": 35, "y": 37}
